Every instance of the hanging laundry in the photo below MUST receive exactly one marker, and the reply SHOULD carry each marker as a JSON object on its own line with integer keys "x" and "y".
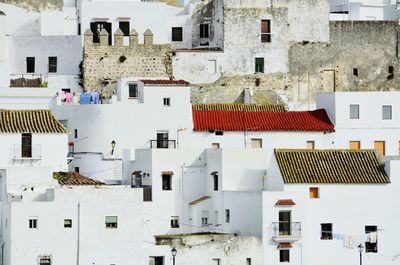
{"x": 68, "y": 98}
{"x": 85, "y": 98}
{"x": 62, "y": 96}
{"x": 373, "y": 237}
{"x": 348, "y": 241}
{"x": 95, "y": 97}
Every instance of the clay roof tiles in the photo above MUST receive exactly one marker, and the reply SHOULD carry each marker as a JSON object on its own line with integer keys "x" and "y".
{"x": 75, "y": 179}
{"x": 29, "y": 121}
{"x": 299, "y": 121}
{"x": 240, "y": 107}
{"x": 330, "y": 166}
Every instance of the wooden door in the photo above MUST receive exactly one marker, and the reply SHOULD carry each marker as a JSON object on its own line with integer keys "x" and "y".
{"x": 284, "y": 223}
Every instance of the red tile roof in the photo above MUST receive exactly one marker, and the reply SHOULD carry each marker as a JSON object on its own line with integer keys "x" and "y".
{"x": 285, "y": 202}
{"x": 165, "y": 82}
{"x": 284, "y": 245}
{"x": 316, "y": 121}
{"x": 75, "y": 179}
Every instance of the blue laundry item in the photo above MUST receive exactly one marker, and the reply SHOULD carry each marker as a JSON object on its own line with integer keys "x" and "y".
{"x": 95, "y": 97}
{"x": 85, "y": 98}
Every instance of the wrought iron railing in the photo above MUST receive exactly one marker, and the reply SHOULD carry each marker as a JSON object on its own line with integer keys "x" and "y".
{"x": 163, "y": 144}
{"x": 286, "y": 229}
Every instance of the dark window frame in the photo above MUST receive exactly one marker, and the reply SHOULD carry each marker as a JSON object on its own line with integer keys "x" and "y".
{"x": 371, "y": 247}
{"x": 66, "y": 225}
{"x": 284, "y": 255}
{"x": 204, "y": 30}
{"x": 30, "y": 65}
{"x": 176, "y": 34}
{"x": 259, "y": 64}
{"x": 133, "y": 90}
{"x": 326, "y": 231}
{"x": 166, "y": 181}
{"x": 124, "y": 26}
{"x": 26, "y": 145}
{"x": 266, "y": 31}
{"x": 215, "y": 182}
{"x": 52, "y": 64}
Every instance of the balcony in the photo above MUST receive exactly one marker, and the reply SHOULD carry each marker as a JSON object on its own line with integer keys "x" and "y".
{"x": 27, "y": 152}
{"x": 28, "y": 80}
{"x": 163, "y": 144}
{"x": 286, "y": 232}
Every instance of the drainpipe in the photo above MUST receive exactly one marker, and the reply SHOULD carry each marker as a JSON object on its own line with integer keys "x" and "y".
{"x": 78, "y": 236}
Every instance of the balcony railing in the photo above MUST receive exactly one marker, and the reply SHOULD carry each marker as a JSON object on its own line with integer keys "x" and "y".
{"x": 28, "y": 80}
{"x": 286, "y": 232}
{"x": 163, "y": 144}
{"x": 27, "y": 152}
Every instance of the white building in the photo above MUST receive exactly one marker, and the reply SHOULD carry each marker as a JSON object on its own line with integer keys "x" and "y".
{"x": 320, "y": 205}
{"x": 364, "y": 10}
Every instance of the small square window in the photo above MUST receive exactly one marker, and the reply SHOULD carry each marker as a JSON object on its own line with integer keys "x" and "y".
{"x": 111, "y": 222}
{"x": 174, "y": 221}
{"x": 284, "y": 255}
{"x": 133, "y": 90}
{"x": 167, "y": 102}
{"x": 76, "y": 169}
{"x": 45, "y": 260}
{"x": 67, "y": 223}
{"x": 386, "y": 112}
{"x": 354, "y": 111}
{"x": 326, "y": 231}
{"x": 217, "y": 146}
{"x": 310, "y": 145}
{"x": 314, "y": 192}
{"x": 177, "y": 33}
{"x": 216, "y": 261}
{"x": 219, "y": 133}
{"x": 354, "y": 145}
{"x": 33, "y": 222}
{"x": 256, "y": 143}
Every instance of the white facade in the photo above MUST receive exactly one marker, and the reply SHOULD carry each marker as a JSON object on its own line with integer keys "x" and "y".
{"x": 348, "y": 207}
{"x": 364, "y": 10}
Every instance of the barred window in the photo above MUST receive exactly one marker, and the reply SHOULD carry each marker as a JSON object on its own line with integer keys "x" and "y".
{"x": 111, "y": 221}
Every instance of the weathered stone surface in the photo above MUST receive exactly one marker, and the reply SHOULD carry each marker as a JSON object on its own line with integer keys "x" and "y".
{"x": 37, "y": 5}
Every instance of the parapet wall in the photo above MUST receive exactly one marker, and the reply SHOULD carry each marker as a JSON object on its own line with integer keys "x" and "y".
{"x": 37, "y": 5}
{"x": 103, "y": 64}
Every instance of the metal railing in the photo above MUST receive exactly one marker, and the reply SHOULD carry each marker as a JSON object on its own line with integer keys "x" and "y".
{"x": 27, "y": 151}
{"x": 286, "y": 229}
{"x": 163, "y": 144}
{"x": 28, "y": 80}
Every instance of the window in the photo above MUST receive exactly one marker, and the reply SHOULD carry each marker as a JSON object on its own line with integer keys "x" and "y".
{"x": 380, "y": 147}
{"x": 76, "y": 133}
{"x": 212, "y": 66}
{"x": 133, "y": 91}
{"x": 67, "y": 223}
{"x": 310, "y": 145}
{"x": 204, "y": 218}
{"x": 248, "y": 261}
{"x": 124, "y": 27}
{"x": 265, "y": 31}
{"x": 204, "y": 30}
{"x": 284, "y": 255}
{"x": 386, "y": 112}
{"x": 372, "y": 244}
{"x": 219, "y": 133}
{"x": 44, "y": 260}
{"x": 314, "y": 193}
{"x": 256, "y": 143}
{"x": 167, "y": 102}
{"x": 177, "y": 34}
{"x": 166, "y": 181}
{"x": 111, "y": 221}
{"x": 355, "y": 71}
{"x": 33, "y": 222}
{"x": 162, "y": 140}
{"x": 354, "y": 145}
{"x": 174, "y": 221}
{"x": 26, "y": 145}
{"x": 227, "y": 216}
{"x": 354, "y": 111}
{"x": 259, "y": 65}
{"x": 52, "y": 64}
{"x": 216, "y": 261}
{"x": 96, "y": 27}
{"x": 326, "y": 231}
{"x": 215, "y": 181}
{"x": 76, "y": 169}
{"x": 285, "y": 223}
{"x": 30, "y": 64}
{"x": 217, "y": 146}
{"x": 390, "y": 72}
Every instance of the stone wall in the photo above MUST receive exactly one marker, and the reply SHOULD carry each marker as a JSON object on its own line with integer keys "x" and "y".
{"x": 37, "y": 5}
{"x": 365, "y": 48}
{"x": 104, "y": 64}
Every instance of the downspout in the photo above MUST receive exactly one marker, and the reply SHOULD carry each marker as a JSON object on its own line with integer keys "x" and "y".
{"x": 78, "y": 236}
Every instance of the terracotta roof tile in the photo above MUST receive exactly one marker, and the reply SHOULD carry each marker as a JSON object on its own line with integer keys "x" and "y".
{"x": 284, "y": 245}
{"x": 206, "y": 120}
{"x": 330, "y": 166}
{"x": 75, "y": 179}
{"x": 240, "y": 107}
{"x": 285, "y": 202}
{"x": 29, "y": 121}
{"x": 158, "y": 82}
{"x": 199, "y": 200}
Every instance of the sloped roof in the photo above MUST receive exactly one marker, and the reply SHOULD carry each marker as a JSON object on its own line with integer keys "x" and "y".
{"x": 75, "y": 179}
{"x": 158, "y": 82}
{"x": 199, "y": 200}
{"x": 29, "y": 121}
{"x": 221, "y": 120}
{"x": 330, "y": 166}
{"x": 239, "y": 107}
